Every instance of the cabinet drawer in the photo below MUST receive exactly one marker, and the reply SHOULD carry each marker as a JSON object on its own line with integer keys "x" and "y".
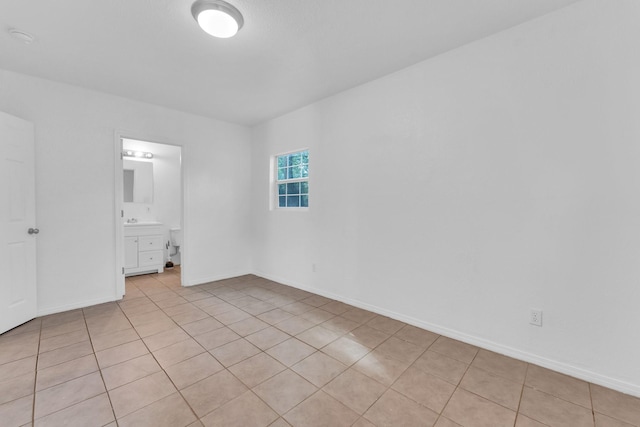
{"x": 150, "y": 258}
{"x": 150, "y": 243}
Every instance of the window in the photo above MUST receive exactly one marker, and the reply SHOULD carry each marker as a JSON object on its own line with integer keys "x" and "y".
{"x": 292, "y": 180}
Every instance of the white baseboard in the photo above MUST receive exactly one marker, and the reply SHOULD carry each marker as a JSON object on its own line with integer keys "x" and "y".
{"x": 202, "y": 280}
{"x": 75, "y": 305}
{"x": 576, "y": 372}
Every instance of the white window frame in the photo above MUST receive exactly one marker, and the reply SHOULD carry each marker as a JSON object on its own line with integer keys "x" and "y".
{"x": 274, "y": 199}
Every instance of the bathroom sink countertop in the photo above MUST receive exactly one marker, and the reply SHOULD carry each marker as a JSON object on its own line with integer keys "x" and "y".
{"x": 139, "y": 223}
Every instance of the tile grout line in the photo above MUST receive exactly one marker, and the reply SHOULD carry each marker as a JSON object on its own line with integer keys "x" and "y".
{"x": 63, "y": 382}
{"x": 99, "y": 367}
{"x": 69, "y": 380}
{"x": 240, "y": 288}
{"x": 371, "y": 350}
{"x": 389, "y": 387}
{"x": 250, "y": 389}
{"x": 459, "y": 381}
{"x": 435, "y": 376}
{"x": 147, "y": 296}
{"x": 396, "y": 380}
{"x": 593, "y": 409}
{"x": 526, "y": 373}
{"x": 524, "y": 385}
{"x": 546, "y": 393}
{"x": 225, "y": 368}
{"x": 156, "y": 360}
{"x": 35, "y": 377}
{"x": 206, "y": 351}
{"x": 262, "y": 351}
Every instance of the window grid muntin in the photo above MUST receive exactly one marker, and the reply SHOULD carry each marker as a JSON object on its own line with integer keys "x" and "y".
{"x": 292, "y": 179}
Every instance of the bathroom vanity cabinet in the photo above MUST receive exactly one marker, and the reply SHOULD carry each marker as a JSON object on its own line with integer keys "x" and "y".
{"x": 143, "y": 248}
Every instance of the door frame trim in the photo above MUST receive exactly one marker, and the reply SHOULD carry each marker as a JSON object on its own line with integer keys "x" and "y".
{"x": 119, "y": 134}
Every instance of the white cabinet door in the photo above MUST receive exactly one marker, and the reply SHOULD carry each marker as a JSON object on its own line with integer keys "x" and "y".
{"x": 18, "y": 230}
{"x": 131, "y": 252}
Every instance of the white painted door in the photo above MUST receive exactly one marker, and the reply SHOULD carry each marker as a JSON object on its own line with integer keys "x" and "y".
{"x": 18, "y": 230}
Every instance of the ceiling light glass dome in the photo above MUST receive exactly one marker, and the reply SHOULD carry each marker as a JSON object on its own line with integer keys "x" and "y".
{"x": 217, "y": 18}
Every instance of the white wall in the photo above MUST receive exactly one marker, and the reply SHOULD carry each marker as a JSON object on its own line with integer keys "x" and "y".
{"x": 461, "y": 192}
{"x": 75, "y": 140}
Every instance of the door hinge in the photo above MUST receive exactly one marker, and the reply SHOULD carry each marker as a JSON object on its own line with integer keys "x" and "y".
{"x": 121, "y": 213}
{"x": 122, "y": 270}
{"x": 121, "y": 156}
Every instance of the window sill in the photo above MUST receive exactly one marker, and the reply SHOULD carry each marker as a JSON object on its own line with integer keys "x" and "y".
{"x": 290, "y": 209}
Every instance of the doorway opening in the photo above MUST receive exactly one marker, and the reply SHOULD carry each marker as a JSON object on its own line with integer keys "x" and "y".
{"x": 150, "y": 211}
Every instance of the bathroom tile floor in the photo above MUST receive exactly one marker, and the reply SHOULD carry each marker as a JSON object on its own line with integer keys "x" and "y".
{"x": 251, "y": 352}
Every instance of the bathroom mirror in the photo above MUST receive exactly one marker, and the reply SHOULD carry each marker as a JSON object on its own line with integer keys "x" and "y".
{"x": 138, "y": 181}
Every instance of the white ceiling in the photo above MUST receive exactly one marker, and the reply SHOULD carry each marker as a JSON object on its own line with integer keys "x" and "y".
{"x": 288, "y": 54}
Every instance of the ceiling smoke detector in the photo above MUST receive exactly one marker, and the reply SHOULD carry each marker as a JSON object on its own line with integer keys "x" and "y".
{"x": 217, "y": 18}
{"x": 22, "y": 36}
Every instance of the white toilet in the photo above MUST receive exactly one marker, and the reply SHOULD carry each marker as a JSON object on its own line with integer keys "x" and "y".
{"x": 175, "y": 234}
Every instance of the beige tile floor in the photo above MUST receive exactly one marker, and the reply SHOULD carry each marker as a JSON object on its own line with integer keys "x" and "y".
{"x": 251, "y": 352}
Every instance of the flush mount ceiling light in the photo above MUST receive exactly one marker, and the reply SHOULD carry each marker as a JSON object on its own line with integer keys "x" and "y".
{"x": 217, "y": 18}
{"x": 22, "y": 36}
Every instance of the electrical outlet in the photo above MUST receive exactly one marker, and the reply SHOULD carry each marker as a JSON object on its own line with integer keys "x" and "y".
{"x": 535, "y": 317}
